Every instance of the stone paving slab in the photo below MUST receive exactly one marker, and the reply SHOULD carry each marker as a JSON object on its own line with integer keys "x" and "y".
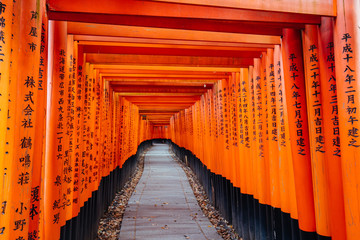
{"x": 163, "y": 205}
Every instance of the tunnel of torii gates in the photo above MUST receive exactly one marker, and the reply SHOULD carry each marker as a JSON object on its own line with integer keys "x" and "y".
{"x": 259, "y": 97}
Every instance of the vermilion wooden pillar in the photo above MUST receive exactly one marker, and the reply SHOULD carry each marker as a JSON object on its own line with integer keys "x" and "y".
{"x": 347, "y": 62}
{"x": 5, "y": 50}
{"x": 37, "y": 206}
{"x": 5, "y": 91}
{"x": 331, "y": 129}
{"x": 26, "y": 124}
{"x": 286, "y": 172}
{"x": 272, "y": 112}
{"x": 55, "y": 134}
{"x": 316, "y": 119}
{"x": 296, "y": 104}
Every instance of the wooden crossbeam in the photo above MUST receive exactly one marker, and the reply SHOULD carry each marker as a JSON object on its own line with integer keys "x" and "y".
{"x": 162, "y": 33}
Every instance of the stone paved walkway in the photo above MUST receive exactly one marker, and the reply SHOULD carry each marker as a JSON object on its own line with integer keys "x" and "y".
{"x": 163, "y": 205}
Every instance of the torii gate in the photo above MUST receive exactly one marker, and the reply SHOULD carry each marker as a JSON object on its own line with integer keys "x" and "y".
{"x": 263, "y": 94}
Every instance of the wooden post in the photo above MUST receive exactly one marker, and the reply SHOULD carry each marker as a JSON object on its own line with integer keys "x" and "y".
{"x": 296, "y": 104}
{"x": 347, "y": 62}
{"x": 316, "y": 128}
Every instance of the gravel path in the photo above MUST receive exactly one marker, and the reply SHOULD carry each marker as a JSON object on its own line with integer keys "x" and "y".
{"x": 111, "y": 223}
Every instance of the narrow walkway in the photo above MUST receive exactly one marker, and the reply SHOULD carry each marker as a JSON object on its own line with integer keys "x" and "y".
{"x": 163, "y": 205}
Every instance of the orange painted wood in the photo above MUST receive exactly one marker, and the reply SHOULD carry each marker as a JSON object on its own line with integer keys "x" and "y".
{"x": 285, "y": 158}
{"x": 259, "y": 161}
{"x": 25, "y": 120}
{"x": 320, "y": 7}
{"x": 92, "y": 38}
{"x": 295, "y": 85}
{"x": 156, "y": 33}
{"x": 5, "y": 49}
{"x": 238, "y": 137}
{"x": 10, "y": 145}
{"x": 316, "y": 128}
{"x": 253, "y": 71}
{"x": 245, "y": 75}
{"x": 331, "y": 133}
{"x": 5, "y": 58}
{"x": 54, "y": 151}
{"x": 273, "y": 141}
{"x": 264, "y": 166}
{"x": 346, "y": 43}
{"x": 37, "y": 188}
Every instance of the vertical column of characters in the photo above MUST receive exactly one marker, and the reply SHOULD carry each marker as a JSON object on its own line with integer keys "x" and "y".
{"x": 205, "y": 131}
{"x": 110, "y": 130}
{"x": 78, "y": 125}
{"x": 260, "y": 156}
{"x": 130, "y": 129}
{"x": 183, "y": 128}
{"x": 85, "y": 134}
{"x": 316, "y": 129}
{"x": 123, "y": 137}
{"x": 122, "y": 133}
{"x": 69, "y": 108}
{"x": 196, "y": 128}
{"x": 238, "y": 137}
{"x": 227, "y": 128}
{"x": 330, "y": 110}
{"x": 347, "y": 61}
{"x": 272, "y": 131}
{"x": 133, "y": 127}
{"x": 126, "y": 130}
{"x": 117, "y": 129}
{"x": 247, "y": 124}
{"x": 6, "y": 10}
{"x": 131, "y": 111}
{"x": 25, "y": 121}
{"x": 221, "y": 122}
{"x": 234, "y": 133}
{"x": 121, "y": 127}
{"x": 282, "y": 139}
{"x": 186, "y": 130}
{"x": 55, "y": 132}
{"x": 103, "y": 129}
{"x": 255, "y": 71}
{"x": 216, "y": 127}
{"x": 77, "y": 106}
{"x": 299, "y": 135}
{"x": 92, "y": 116}
{"x": 210, "y": 117}
{"x": 265, "y": 133}
{"x": 136, "y": 123}
{"x": 36, "y": 205}
{"x": 136, "y": 120}
{"x": 287, "y": 179}
{"x": 176, "y": 130}
{"x": 7, "y": 40}
{"x": 128, "y": 144}
{"x": 191, "y": 128}
{"x": 93, "y": 142}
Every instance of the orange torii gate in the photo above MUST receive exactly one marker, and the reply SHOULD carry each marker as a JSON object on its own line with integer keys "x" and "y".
{"x": 260, "y": 99}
